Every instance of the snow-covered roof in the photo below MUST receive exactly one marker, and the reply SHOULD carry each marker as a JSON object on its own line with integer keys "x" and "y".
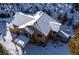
{"x": 28, "y": 24}
{"x": 22, "y": 40}
{"x": 64, "y": 34}
{"x": 55, "y": 26}
{"x": 29, "y": 30}
{"x": 42, "y": 23}
{"x": 66, "y": 31}
{"x": 20, "y": 19}
{"x": 36, "y": 18}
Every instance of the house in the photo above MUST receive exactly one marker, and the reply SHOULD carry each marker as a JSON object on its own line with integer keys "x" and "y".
{"x": 21, "y": 19}
{"x": 40, "y": 26}
{"x": 44, "y": 27}
{"x": 37, "y": 29}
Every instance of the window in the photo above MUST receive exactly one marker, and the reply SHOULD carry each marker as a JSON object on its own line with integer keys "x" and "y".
{"x": 54, "y": 32}
{"x": 58, "y": 36}
{"x": 39, "y": 35}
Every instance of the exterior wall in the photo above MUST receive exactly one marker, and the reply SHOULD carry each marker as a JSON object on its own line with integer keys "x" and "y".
{"x": 18, "y": 31}
{"x": 39, "y": 38}
{"x": 55, "y": 37}
{"x": 52, "y": 35}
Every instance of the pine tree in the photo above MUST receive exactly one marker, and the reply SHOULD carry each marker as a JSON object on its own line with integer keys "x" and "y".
{"x": 74, "y": 44}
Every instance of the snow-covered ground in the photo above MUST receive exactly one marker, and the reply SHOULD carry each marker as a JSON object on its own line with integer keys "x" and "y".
{"x": 9, "y": 45}
{"x": 50, "y": 49}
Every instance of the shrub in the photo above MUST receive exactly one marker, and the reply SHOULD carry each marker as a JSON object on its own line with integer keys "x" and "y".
{"x": 3, "y": 51}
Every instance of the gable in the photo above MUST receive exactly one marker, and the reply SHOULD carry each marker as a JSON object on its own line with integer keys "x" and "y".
{"x": 55, "y": 26}
{"x": 43, "y": 26}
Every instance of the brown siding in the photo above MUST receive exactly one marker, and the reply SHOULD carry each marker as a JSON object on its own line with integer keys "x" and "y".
{"x": 19, "y": 31}
{"x": 52, "y": 35}
{"x": 38, "y": 39}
